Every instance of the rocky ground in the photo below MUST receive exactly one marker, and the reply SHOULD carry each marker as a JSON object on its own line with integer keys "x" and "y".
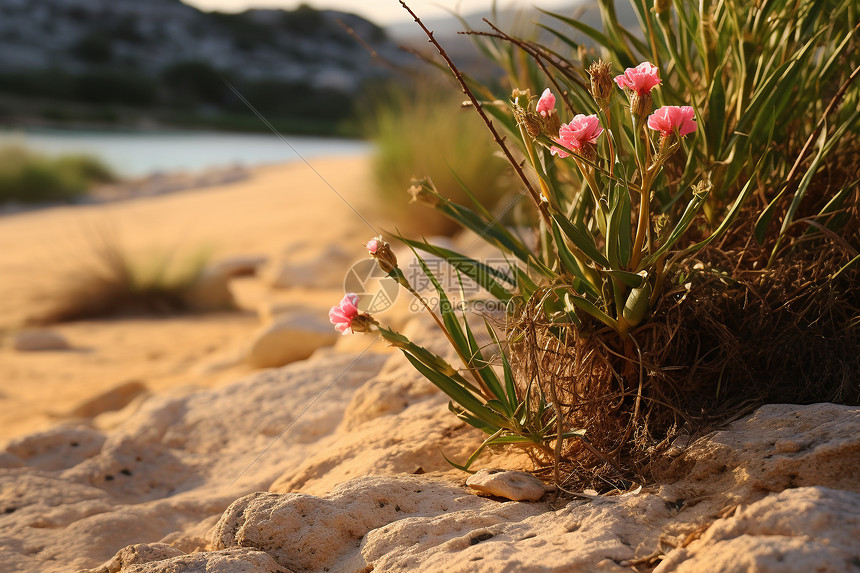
{"x": 258, "y": 440}
{"x": 334, "y": 464}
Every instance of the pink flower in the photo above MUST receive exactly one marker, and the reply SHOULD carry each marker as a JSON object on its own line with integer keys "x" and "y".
{"x": 671, "y": 118}
{"x": 546, "y": 103}
{"x": 373, "y": 245}
{"x": 581, "y": 132}
{"x": 640, "y": 79}
{"x": 341, "y": 316}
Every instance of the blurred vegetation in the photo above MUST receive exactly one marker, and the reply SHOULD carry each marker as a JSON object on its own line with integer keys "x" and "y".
{"x": 116, "y": 281}
{"x": 187, "y": 93}
{"x": 108, "y": 74}
{"x": 29, "y": 177}
{"x": 421, "y": 131}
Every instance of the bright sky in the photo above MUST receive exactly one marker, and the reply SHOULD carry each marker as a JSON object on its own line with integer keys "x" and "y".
{"x": 378, "y": 11}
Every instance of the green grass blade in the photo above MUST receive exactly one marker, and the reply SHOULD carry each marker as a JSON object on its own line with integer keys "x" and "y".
{"x": 569, "y": 262}
{"x": 589, "y": 307}
{"x": 510, "y": 386}
{"x": 458, "y": 394}
{"x": 581, "y": 239}
{"x": 484, "y": 275}
{"x": 684, "y": 222}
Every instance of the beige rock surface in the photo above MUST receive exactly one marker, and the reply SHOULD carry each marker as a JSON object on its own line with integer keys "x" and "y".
{"x": 74, "y": 498}
{"x": 293, "y": 336}
{"x": 796, "y": 530}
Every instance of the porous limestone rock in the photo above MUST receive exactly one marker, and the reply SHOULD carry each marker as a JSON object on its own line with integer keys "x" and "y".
{"x": 794, "y": 531}
{"x": 162, "y": 558}
{"x": 211, "y": 290}
{"x": 308, "y": 533}
{"x": 513, "y": 485}
{"x": 292, "y": 337}
{"x": 72, "y": 497}
{"x": 781, "y": 482}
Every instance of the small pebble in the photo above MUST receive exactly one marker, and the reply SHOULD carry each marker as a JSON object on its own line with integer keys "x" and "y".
{"x": 517, "y": 486}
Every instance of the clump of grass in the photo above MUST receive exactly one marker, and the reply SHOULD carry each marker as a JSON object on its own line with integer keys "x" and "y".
{"x": 29, "y": 177}
{"x": 118, "y": 282}
{"x": 423, "y": 132}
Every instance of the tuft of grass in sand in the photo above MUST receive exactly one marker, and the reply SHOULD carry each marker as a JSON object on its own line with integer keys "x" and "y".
{"x": 29, "y": 177}
{"x": 118, "y": 282}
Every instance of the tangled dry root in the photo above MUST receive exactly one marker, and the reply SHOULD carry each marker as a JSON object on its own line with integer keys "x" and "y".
{"x": 719, "y": 344}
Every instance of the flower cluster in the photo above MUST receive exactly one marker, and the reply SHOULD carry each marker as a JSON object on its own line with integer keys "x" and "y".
{"x": 580, "y": 135}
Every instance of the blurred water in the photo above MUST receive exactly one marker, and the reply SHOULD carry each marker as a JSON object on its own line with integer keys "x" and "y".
{"x": 139, "y": 153}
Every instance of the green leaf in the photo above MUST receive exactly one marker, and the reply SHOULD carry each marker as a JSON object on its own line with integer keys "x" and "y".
{"x": 765, "y": 217}
{"x": 581, "y": 239}
{"x": 716, "y": 123}
{"x": 475, "y": 454}
{"x": 446, "y": 309}
{"x": 825, "y": 145}
{"x": 585, "y": 29}
{"x": 490, "y": 231}
{"x": 483, "y": 275}
{"x": 569, "y": 262}
{"x": 458, "y": 394}
{"x": 683, "y": 224}
{"x": 731, "y": 215}
{"x": 510, "y": 385}
{"x": 589, "y": 307}
{"x": 482, "y": 368}
{"x": 618, "y": 227}
{"x": 633, "y": 280}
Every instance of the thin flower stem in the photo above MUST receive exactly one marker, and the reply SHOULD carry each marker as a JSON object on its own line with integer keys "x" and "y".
{"x": 544, "y": 188}
{"x": 536, "y": 56}
{"x": 642, "y": 228}
{"x": 607, "y": 112}
{"x": 477, "y": 104}
{"x": 542, "y": 139}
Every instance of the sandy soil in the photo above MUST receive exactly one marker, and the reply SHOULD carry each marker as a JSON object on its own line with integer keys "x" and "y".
{"x": 278, "y": 208}
{"x": 171, "y": 455}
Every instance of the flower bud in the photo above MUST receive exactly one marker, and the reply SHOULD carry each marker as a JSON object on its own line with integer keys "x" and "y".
{"x": 636, "y": 305}
{"x": 382, "y": 253}
{"x": 601, "y": 82}
{"x": 532, "y": 122}
{"x": 703, "y": 188}
{"x": 421, "y": 192}
{"x": 362, "y": 323}
{"x": 551, "y": 124}
{"x": 521, "y": 98}
{"x": 640, "y": 105}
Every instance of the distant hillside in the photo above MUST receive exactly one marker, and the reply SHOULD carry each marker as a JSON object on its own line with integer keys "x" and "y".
{"x": 75, "y": 56}
{"x": 522, "y": 22}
